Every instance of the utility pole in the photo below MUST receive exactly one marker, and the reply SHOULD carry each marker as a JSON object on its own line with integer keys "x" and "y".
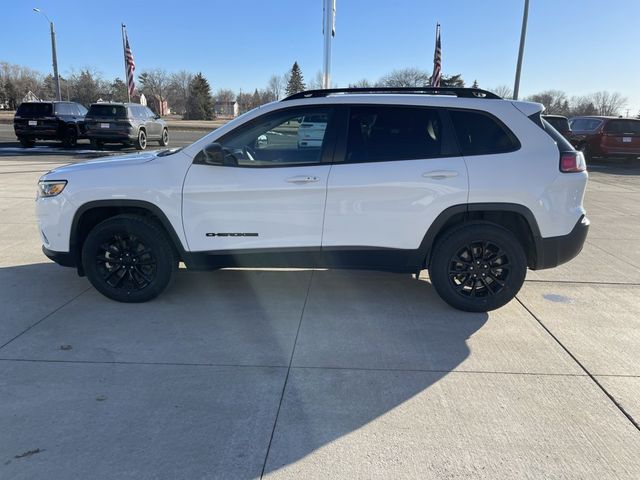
{"x": 523, "y": 34}
{"x": 329, "y": 30}
{"x": 54, "y": 54}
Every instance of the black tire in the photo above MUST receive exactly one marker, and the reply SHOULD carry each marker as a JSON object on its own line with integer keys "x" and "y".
{"x": 478, "y": 267}
{"x": 26, "y": 142}
{"x": 96, "y": 144}
{"x": 71, "y": 137}
{"x": 164, "y": 138}
{"x": 584, "y": 148}
{"x": 128, "y": 258}
{"x": 141, "y": 141}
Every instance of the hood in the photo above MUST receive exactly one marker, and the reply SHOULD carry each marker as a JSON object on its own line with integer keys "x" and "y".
{"x": 106, "y": 162}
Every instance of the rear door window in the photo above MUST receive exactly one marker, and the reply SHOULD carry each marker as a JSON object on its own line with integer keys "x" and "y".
{"x": 479, "y": 133}
{"x": 387, "y": 133}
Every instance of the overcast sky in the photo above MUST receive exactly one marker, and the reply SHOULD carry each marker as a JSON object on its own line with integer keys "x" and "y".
{"x": 579, "y": 46}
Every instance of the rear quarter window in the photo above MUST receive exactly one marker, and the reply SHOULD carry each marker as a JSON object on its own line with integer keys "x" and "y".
{"x": 479, "y": 133}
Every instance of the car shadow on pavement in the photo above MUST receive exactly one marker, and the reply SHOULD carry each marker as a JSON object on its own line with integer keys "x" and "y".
{"x": 355, "y": 346}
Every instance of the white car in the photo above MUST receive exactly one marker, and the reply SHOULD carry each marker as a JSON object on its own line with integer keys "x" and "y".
{"x": 311, "y": 130}
{"x": 470, "y": 186}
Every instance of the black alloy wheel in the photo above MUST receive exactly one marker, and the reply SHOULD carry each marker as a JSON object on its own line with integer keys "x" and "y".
{"x": 477, "y": 266}
{"x": 128, "y": 258}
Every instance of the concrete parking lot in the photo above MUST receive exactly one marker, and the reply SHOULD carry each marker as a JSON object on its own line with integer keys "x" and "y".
{"x": 320, "y": 374}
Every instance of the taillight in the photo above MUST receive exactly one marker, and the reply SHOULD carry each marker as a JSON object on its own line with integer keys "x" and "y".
{"x": 572, "y": 162}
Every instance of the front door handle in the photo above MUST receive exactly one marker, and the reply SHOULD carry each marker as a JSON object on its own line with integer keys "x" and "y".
{"x": 302, "y": 179}
{"x": 440, "y": 174}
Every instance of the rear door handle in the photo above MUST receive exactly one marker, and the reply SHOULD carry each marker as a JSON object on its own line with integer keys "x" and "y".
{"x": 440, "y": 174}
{"x": 302, "y": 179}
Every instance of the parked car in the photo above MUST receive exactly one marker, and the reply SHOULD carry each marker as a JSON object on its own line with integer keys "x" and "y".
{"x": 470, "y": 186}
{"x": 606, "y": 137}
{"x": 560, "y": 123}
{"x": 311, "y": 130}
{"x": 62, "y": 121}
{"x": 125, "y": 123}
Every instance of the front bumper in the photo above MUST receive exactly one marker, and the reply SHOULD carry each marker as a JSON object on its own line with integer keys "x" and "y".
{"x": 66, "y": 259}
{"x": 554, "y": 251}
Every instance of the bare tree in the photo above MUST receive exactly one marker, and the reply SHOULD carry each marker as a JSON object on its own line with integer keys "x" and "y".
{"x": 225, "y": 95}
{"x": 316, "y": 82}
{"x": 503, "y": 91}
{"x": 406, "y": 77}
{"x": 17, "y": 81}
{"x": 555, "y": 101}
{"x": 178, "y": 90}
{"x": 155, "y": 85}
{"x": 608, "y": 103}
{"x": 582, "y": 106}
{"x": 364, "y": 83}
{"x": 277, "y": 84}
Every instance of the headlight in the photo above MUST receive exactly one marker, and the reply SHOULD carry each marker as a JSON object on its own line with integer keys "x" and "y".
{"x": 51, "y": 188}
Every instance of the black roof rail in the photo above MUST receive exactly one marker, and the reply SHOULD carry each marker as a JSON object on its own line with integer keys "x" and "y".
{"x": 457, "y": 91}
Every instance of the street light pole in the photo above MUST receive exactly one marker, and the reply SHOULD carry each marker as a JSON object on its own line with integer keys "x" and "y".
{"x": 54, "y": 54}
{"x": 523, "y": 34}
{"x": 329, "y": 31}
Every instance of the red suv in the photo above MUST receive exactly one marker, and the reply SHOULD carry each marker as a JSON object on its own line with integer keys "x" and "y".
{"x": 606, "y": 136}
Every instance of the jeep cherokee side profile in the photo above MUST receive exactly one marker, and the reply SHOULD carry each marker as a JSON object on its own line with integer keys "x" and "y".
{"x": 472, "y": 187}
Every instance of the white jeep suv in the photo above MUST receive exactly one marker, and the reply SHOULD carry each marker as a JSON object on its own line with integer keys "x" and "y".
{"x": 472, "y": 187}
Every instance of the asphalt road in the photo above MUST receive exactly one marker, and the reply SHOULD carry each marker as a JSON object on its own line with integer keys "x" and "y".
{"x": 177, "y": 138}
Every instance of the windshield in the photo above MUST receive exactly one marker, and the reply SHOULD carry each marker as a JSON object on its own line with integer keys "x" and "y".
{"x": 115, "y": 111}
{"x": 34, "y": 109}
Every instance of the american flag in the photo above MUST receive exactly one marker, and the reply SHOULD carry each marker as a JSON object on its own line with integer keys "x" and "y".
{"x": 437, "y": 60}
{"x": 130, "y": 65}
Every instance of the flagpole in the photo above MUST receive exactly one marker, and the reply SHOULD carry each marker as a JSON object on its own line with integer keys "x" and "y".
{"x": 124, "y": 54}
{"x": 523, "y": 34}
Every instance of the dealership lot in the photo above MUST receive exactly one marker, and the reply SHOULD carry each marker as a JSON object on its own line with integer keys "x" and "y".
{"x": 316, "y": 374}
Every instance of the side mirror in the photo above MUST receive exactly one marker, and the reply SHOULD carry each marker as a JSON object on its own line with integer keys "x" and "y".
{"x": 213, "y": 154}
{"x": 262, "y": 141}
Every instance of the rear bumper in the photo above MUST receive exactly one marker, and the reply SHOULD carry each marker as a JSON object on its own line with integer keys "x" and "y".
{"x": 66, "y": 259}
{"x": 112, "y": 136}
{"x": 554, "y": 251}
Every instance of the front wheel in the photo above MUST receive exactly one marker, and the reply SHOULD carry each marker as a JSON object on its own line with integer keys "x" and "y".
{"x": 164, "y": 139}
{"x": 141, "y": 141}
{"x": 71, "y": 137}
{"x": 478, "y": 267}
{"x": 128, "y": 258}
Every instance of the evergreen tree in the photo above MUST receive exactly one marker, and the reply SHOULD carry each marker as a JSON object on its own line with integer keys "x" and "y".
{"x": 452, "y": 81}
{"x": 475, "y": 84}
{"x": 200, "y": 103}
{"x": 118, "y": 91}
{"x": 296, "y": 82}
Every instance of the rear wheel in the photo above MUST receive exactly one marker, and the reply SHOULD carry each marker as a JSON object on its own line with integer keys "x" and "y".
{"x": 478, "y": 267}
{"x": 27, "y": 142}
{"x": 141, "y": 141}
{"x": 584, "y": 148}
{"x": 164, "y": 139}
{"x": 128, "y": 258}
